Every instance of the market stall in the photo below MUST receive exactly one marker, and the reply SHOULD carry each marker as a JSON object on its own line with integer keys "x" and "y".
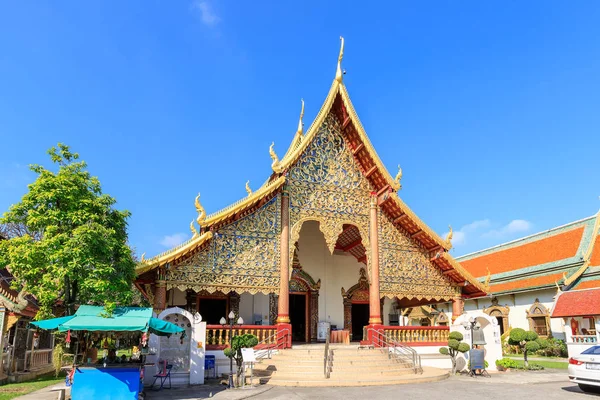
{"x": 109, "y": 350}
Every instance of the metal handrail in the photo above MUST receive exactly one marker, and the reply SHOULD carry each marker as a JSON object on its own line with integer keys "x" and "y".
{"x": 261, "y": 353}
{"x": 398, "y": 351}
{"x": 327, "y": 356}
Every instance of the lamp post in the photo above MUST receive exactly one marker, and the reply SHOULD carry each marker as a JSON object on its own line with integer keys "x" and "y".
{"x": 231, "y": 323}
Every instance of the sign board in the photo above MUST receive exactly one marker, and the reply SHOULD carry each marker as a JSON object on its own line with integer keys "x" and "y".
{"x": 477, "y": 357}
{"x": 248, "y": 355}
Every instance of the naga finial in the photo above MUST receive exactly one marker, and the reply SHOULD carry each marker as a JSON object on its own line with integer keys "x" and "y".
{"x": 143, "y": 257}
{"x": 449, "y": 236}
{"x": 274, "y": 158}
{"x": 300, "y": 123}
{"x": 398, "y": 177}
{"x": 193, "y": 229}
{"x": 201, "y": 211}
{"x": 564, "y": 276}
{"x": 339, "y": 73}
{"x": 487, "y": 278}
{"x": 248, "y": 188}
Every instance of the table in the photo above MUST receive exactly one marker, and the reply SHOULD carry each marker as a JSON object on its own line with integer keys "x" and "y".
{"x": 342, "y": 336}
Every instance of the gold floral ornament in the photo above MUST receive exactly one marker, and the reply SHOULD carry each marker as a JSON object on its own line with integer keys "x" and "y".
{"x": 193, "y": 229}
{"x": 448, "y": 239}
{"x": 275, "y": 166}
{"x": 201, "y": 211}
{"x": 248, "y": 190}
{"x": 398, "y": 178}
{"x": 339, "y": 73}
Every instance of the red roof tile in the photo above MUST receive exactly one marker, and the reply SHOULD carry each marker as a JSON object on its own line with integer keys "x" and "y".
{"x": 552, "y": 248}
{"x": 589, "y": 284}
{"x": 577, "y": 303}
{"x": 526, "y": 283}
{"x": 595, "y": 258}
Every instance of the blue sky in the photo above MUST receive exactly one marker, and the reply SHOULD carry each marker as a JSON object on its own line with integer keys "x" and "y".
{"x": 491, "y": 108}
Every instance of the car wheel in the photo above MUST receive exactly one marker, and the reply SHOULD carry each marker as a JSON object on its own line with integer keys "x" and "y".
{"x": 589, "y": 389}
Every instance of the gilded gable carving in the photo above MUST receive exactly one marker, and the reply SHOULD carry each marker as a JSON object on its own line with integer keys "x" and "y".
{"x": 405, "y": 269}
{"x": 326, "y": 185}
{"x": 242, "y": 257}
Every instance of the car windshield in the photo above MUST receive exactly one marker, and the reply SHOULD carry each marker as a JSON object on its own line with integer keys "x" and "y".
{"x": 592, "y": 350}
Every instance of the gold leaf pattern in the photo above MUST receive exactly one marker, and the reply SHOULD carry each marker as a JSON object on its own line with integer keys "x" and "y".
{"x": 242, "y": 257}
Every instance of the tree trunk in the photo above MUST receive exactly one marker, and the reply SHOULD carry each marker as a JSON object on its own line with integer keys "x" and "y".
{"x": 526, "y": 363}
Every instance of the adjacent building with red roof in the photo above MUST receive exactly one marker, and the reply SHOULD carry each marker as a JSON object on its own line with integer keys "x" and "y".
{"x": 524, "y": 275}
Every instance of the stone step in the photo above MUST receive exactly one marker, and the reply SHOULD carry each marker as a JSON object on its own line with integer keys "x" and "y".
{"x": 429, "y": 375}
{"x": 366, "y": 372}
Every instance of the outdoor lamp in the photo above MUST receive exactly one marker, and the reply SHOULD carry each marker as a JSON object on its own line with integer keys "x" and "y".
{"x": 222, "y": 321}
{"x": 231, "y": 315}
{"x": 240, "y": 321}
{"x": 471, "y": 319}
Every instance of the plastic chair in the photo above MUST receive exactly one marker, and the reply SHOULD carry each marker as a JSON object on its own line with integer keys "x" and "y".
{"x": 210, "y": 363}
{"x": 163, "y": 375}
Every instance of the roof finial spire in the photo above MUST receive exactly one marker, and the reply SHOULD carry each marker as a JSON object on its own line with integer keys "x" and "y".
{"x": 201, "y": 211}
{"x": 449, "y": 237}
{"x": 398, "y": 178}
{"x": 275, "y": 165}
{"x": 248, "y": 190}
{"x": 300, "y": 123}
{"x": 338, "y": 74}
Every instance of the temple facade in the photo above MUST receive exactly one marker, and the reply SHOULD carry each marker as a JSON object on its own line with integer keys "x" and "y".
{"x": 326, "y": 238}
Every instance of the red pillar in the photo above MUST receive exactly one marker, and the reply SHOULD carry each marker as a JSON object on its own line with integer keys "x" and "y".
{"x": 284, "y": 328}
{"x": 458, "y": 306}
{"x": 375, "y": 323}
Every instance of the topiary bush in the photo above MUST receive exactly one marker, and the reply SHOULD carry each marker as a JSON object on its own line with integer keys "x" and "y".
{"x": 527, "y": 341}
{"x": 455, "y": 347}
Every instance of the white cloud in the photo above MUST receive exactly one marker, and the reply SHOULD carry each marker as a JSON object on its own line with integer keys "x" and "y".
{"x": 206, "y": 13}
{"x": 514, "y": 226}
{"x": 173, "y": 240}
{"x": 460, "y": 236}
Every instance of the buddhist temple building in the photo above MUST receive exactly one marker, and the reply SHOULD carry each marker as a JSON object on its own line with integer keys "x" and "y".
{"x": 327, "y": 238}
{"x": 525, "y": 275}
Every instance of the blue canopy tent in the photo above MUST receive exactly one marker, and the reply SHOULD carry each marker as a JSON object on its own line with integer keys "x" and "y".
{"x": 109, "y": 382}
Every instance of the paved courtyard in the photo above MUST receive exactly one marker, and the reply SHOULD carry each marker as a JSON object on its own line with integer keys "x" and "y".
{"x": 543, "y": 385}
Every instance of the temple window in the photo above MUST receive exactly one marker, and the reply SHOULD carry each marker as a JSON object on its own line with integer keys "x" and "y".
{"x": 539, "y": 318}
{"x": 500, "y": 312}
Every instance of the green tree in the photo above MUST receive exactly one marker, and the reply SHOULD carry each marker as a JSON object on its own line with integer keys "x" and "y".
{"x": 238, "y": 343}
{"x": 455, "y": 347}
{"x": 527, "y": 341}
{"x": 79, "y": 253}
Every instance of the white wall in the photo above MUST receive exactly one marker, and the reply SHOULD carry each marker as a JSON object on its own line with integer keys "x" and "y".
{"x": 335, "y": 272}
{"x": 519, "y": 304}
{"x": 254, "y": 307}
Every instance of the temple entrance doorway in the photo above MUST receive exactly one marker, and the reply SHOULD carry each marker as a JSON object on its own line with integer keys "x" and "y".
{"x": 299, "y": 317}
{"x": 360, "y": 319}
{"x": 212, "y": 309}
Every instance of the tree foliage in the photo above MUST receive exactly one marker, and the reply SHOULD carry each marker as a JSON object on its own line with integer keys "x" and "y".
{"x": 455, "y": 347}
{"x": 528, "y": 342}
{"x": 79, "y": 252}
{"x": 238, "y": 343}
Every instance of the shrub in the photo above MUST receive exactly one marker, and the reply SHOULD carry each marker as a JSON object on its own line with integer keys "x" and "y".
{"x": 553, "y": 348}
{"x": 535, "y": 367}
{"x": 507, "y": 363}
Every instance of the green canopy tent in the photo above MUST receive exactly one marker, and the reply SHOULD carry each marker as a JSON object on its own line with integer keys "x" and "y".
{"x": 91, "y": 318}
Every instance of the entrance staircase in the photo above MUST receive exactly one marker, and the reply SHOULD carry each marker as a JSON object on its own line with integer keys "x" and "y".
{"x": 349, "y": 365}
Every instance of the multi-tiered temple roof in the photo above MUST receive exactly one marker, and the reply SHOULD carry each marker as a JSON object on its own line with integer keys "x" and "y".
{"x": 383, "y": 184}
